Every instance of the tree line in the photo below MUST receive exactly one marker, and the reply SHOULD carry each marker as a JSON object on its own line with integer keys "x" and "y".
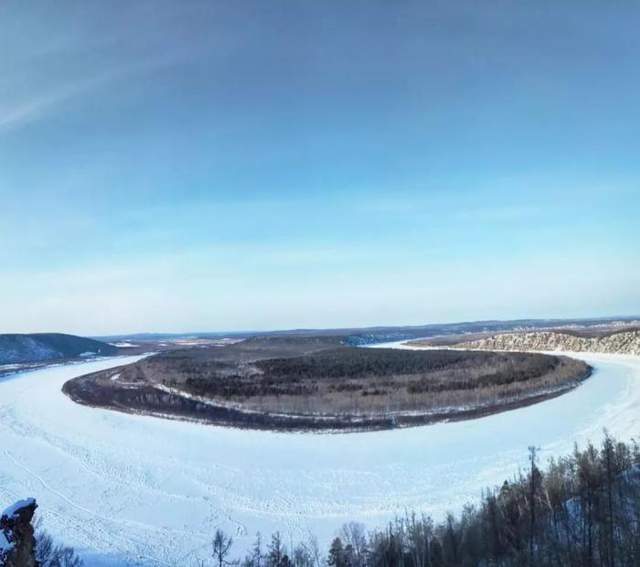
{"x": 583, "y": 510}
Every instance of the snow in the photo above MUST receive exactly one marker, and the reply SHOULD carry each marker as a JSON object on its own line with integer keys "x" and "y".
{"x": 8, "y": 367}
{"x": 11, "y": 510}
{"x": 124, "y": 344}
{"x": 138, "y": 490}
{"x": 5, "y": 544}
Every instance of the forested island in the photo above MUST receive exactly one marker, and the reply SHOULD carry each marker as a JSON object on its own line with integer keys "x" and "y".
{"x": 323, "y": 383}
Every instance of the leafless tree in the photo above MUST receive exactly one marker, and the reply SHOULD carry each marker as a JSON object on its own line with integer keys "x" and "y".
{"x": 221, "y": 545}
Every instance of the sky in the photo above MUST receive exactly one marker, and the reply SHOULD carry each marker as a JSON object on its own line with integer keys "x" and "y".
{"x": 215, "y": 166}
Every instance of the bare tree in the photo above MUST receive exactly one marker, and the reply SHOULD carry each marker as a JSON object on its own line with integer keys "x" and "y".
{"x": 221, "y": 545}
{"x": 354, "y": 536}
{"x": 532, "y": 501}
{"x": 48, "y": 554}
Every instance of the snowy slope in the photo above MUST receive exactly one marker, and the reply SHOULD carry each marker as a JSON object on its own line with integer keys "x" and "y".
{"x": 626, "y": 342}
{"x": 40, "y": 347}
{"x": 133, "y": 490}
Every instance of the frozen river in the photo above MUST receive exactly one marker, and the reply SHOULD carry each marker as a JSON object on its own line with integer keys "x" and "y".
{"x": 141, "y": 490}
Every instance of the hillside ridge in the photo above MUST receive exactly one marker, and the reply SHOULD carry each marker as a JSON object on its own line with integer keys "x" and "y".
{"x": 625, "y": 342}
{"x": 44, "y": 347}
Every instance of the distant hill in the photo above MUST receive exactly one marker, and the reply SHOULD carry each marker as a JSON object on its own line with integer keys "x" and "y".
{"x": 368, "y": 335}
{"x": 41, "y": 347}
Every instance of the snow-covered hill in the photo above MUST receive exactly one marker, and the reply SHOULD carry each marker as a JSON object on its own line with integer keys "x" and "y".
{"x": 18, "y": 349}
{"x": 627, "y": 342}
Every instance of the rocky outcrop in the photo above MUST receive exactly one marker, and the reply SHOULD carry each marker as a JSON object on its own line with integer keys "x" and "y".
{"x": 626, "y": 342}
{"x": 17, "y": 542}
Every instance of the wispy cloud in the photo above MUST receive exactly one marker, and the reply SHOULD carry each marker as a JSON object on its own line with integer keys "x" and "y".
{"x": 14, "y": 114}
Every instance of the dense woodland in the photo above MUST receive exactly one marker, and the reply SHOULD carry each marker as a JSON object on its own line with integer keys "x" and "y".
{"x": 354, "y": 369}
{"x": 580, "y": 511}
{"x": 344, "y": 381}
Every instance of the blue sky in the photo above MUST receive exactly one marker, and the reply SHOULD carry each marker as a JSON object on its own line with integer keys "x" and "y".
{"x": 178, "y": 166}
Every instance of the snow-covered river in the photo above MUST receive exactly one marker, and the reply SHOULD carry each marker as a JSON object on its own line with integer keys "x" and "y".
{"x": 142, "y": 490}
